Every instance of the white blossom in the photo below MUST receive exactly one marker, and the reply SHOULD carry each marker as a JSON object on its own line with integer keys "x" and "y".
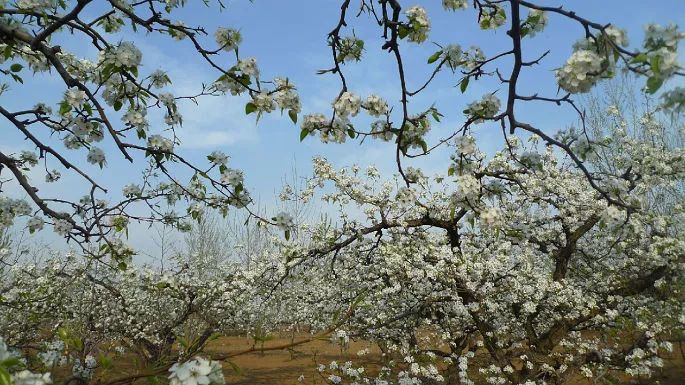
{"x": 227, "y": 38}
{"x": 419, "y": 24}
{"x": 62, "y": 227}
{"x": 453, "y": 5}
{"x": 581, "y": 72}
{"x": 487, "y": 107}
{"x": 284, "y": 221}
{"x": 347, "y": 104}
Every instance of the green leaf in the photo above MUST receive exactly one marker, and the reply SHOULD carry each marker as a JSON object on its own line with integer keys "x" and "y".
{"x": 293, "y": 116}
{"x": 62, "y": 334}
{"x": 16, "y": 67}
{"x": 8, "y": 51}
{"x": 351, "y": 133}
{"x": 402, "y": 31}
{"x": 423, "y": 145}
{"x": 654, "y": 83}
{"x": 77, "y": 343}
{"x": 245, "y": 80}
{"x": 117, "y": 105}
{"x": 464, "y": 84}
{"x": 655, "y": 63}
{"x": 303, "y": 134}
{"x": 434, "y": 57}
{"x": 436, "y": 115}
{"x": 64, "y": 108}
{"x": 5, "y": 378}
{"x": 250, "y": 108}
{"x": 524, "y": 30}
{"x": 287, "y": 235}
{"x": 640, "y": 58}
{"x": 105, "y": 362}
{"x": 107, "y": 71}
{"x": 122, "y": 265}
{"x": 10, "y": 362}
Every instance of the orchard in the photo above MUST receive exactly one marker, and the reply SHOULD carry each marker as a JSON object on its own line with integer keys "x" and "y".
{"x": 526, "y": 227}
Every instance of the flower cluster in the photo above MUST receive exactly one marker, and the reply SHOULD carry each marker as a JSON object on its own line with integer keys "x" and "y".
{"x": 453, "y": 5}
{"x": 414, "y": 131}
{"x": 493, "y": 18}
{"x": 375, "y": 105}
{"x": 131, "y": 190}
{"x": 313, "y": 122}
{"x": 466, "y": 145}
{"x": 86, "y": 369}
{"x": 468, "y": 188}
{"x": 96, "y": 156}
{"x": 37, "y": 5}
{"x": 263, "y": 102}
{"x": 218, "y": 158}
{"x": 74, "y": 97}
{"x": 419, "y": 24}
{"x": 673, "y": 100}
{"x": 232, "y": 177}
{"x": 11, "y": 208}
{"x": 453, "y": 55}
{"x": 487, "y": 107}
{"x": 286, "y": 97}
{"x": 350, "y": 49}
{"x": 227, "y": 38}
{"x": 472, "y": 58}
{"x": 198, "y": 371}
{"x": 248, "y": 67}
{"x": 62, "y": 227}
{"x": 581, "y": 72}
{"x": 347, "y": 104}
{"x": 125, "y": 55}
{"x": 284, "y": 221}
{"x": 535, "y": 22}
{"x": 491, "y": 217}
{"x": 160, "y": 143}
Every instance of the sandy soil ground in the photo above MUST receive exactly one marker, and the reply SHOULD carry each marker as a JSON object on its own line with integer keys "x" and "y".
{"x": 284, "y": 367}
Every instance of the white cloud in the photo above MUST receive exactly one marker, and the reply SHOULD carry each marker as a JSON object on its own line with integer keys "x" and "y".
{"x": 216, "y": 122}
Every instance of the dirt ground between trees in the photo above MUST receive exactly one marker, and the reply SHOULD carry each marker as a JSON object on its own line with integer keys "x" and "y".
{"x": 283, "y": 367}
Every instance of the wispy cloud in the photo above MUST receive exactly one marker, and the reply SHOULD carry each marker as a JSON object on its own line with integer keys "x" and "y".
{"x": 216, "y": 122}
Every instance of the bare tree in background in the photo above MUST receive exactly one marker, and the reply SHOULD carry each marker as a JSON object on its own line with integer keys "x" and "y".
{"x": 214, "y": 239}
{"x": 164, "y": 238}
{"x": 620, "y": 105}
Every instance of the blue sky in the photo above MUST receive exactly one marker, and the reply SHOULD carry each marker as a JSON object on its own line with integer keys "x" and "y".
{"x": 288, "y": 38}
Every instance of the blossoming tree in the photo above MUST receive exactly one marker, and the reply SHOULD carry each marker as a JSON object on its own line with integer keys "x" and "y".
{"x": 108, "y": 99}
{"x": 541, "y": 262}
